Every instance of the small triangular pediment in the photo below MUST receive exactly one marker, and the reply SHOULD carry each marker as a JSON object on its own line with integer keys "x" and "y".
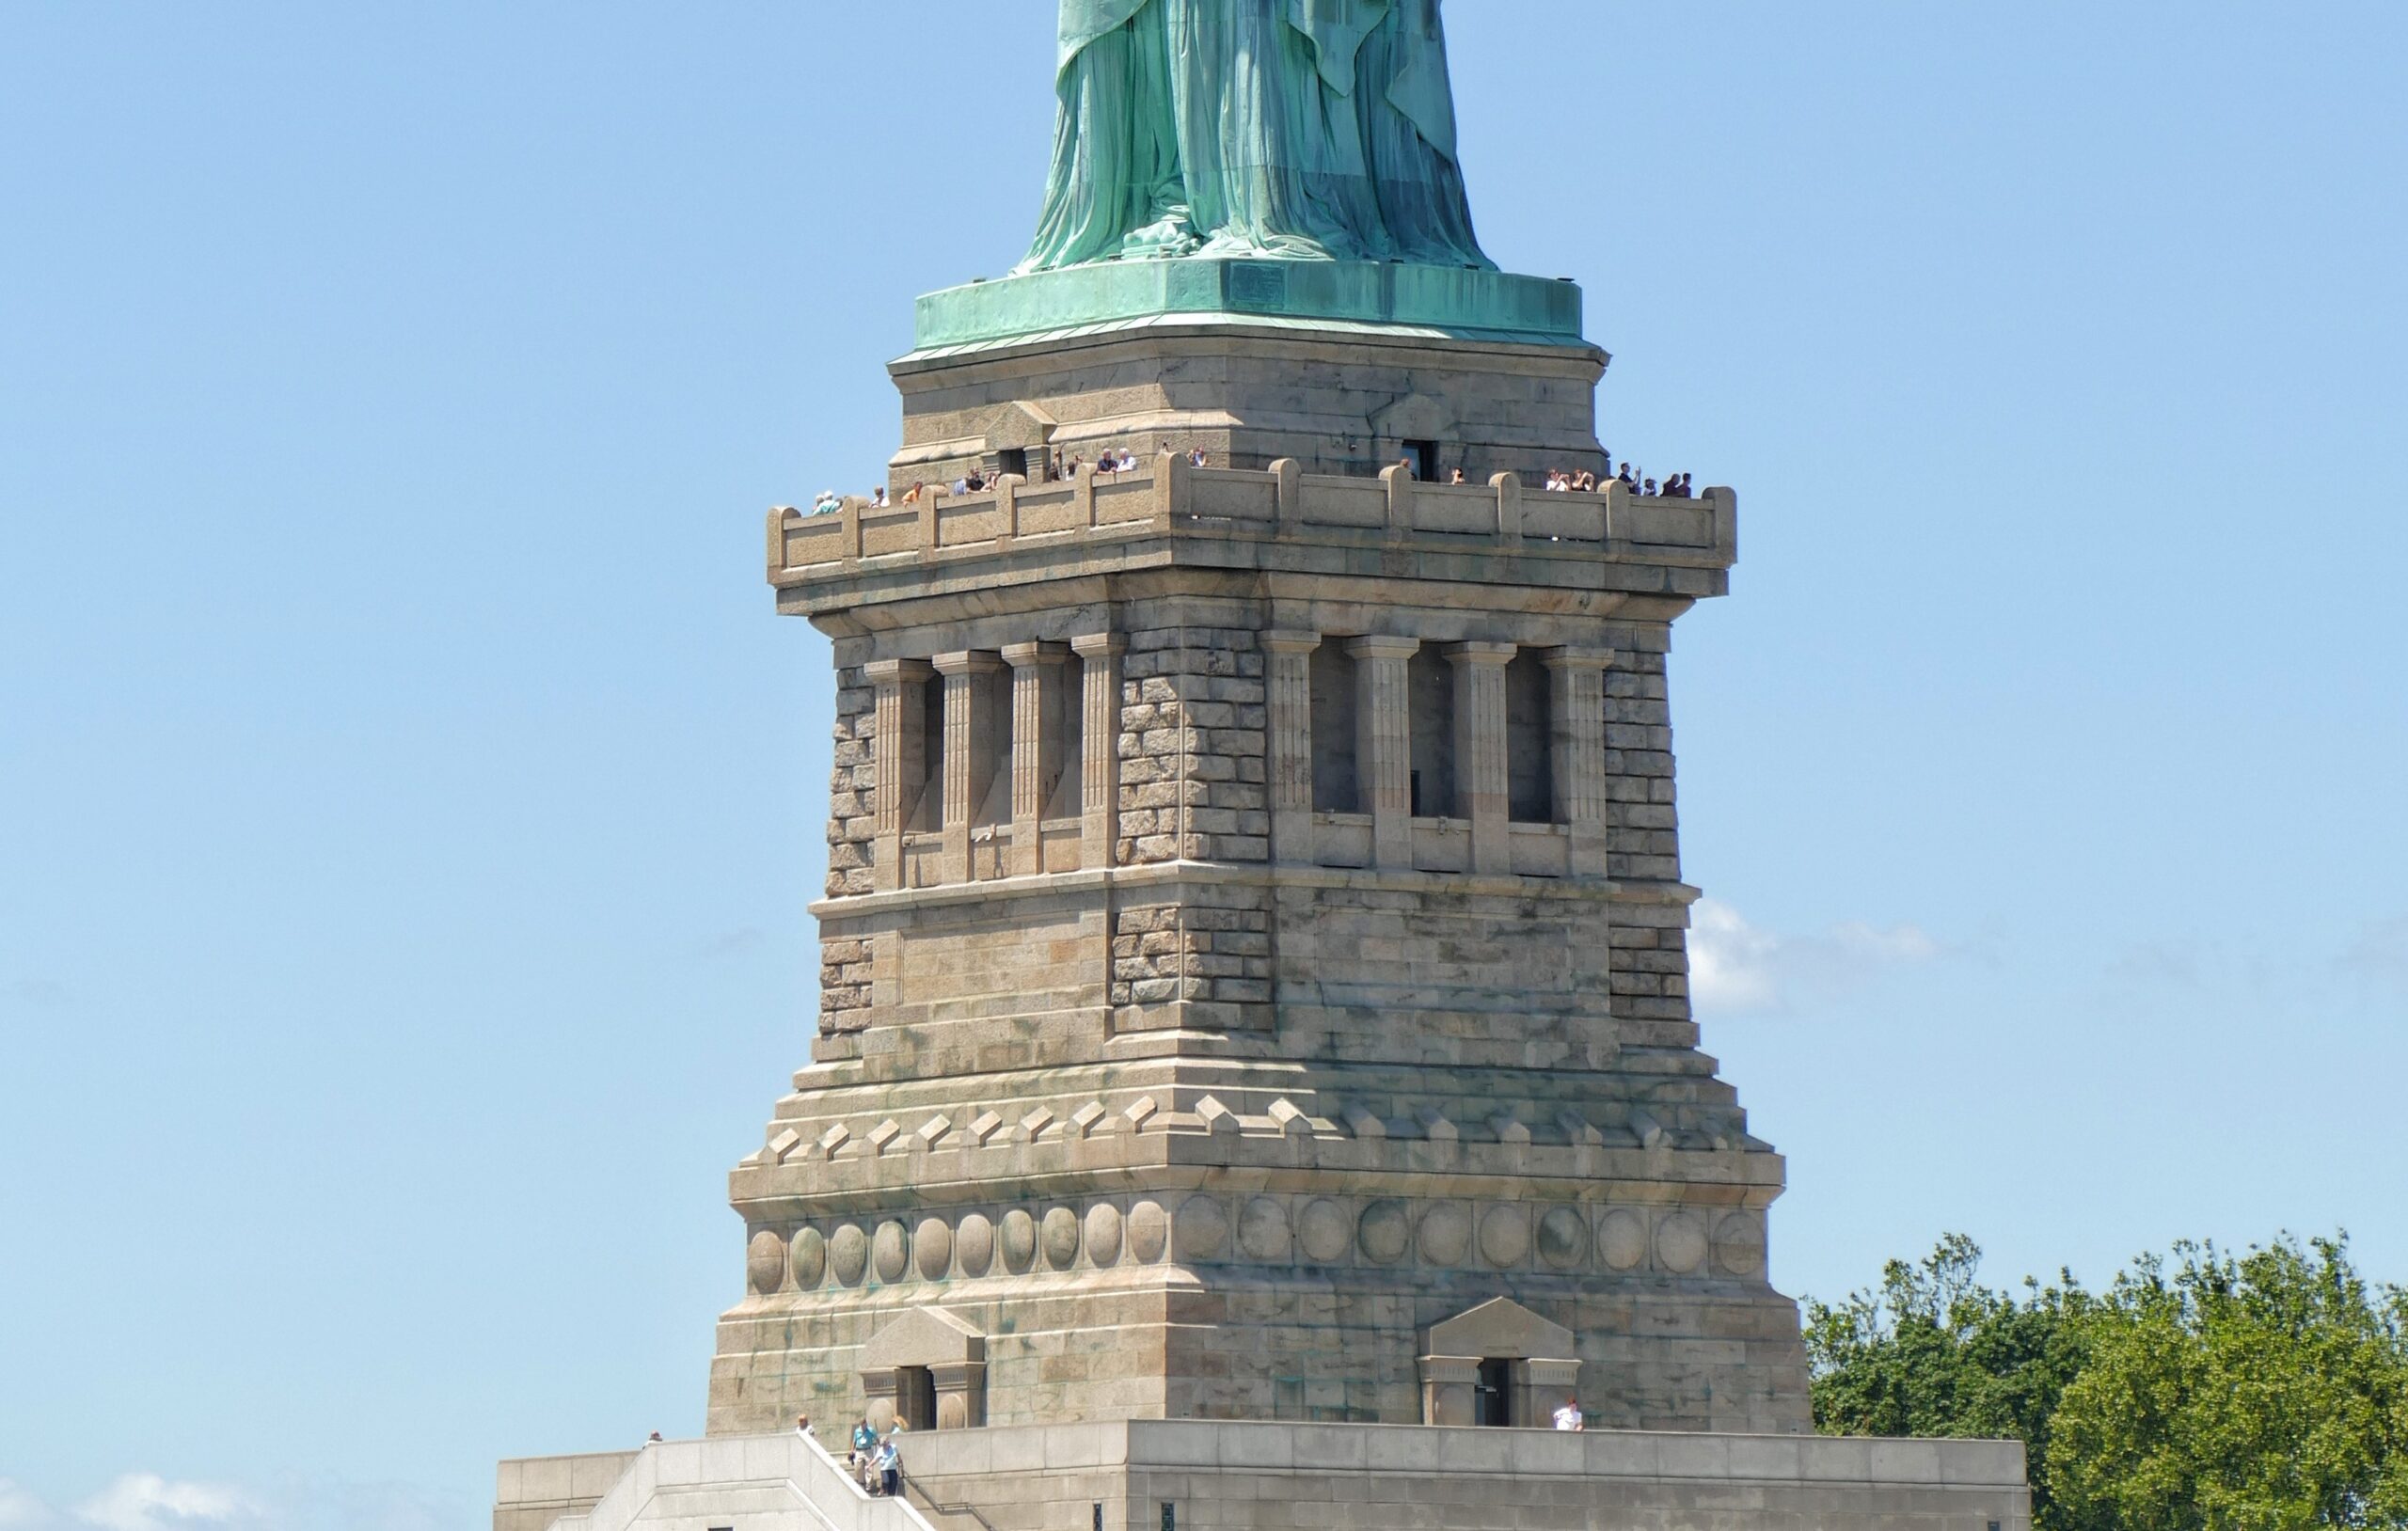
{"x": 924, "y": 1337}
{"x": 1017, "y": 424}
{"x": 1501, "y": 1327}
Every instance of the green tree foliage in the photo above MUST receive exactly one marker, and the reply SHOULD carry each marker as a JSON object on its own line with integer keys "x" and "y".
{"x": 2204, "y": 1392}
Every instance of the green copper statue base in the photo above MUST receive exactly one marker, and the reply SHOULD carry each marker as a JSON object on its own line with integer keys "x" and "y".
{"x": 1452, "y": 301}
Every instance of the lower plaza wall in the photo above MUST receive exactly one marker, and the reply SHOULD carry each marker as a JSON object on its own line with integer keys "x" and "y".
{"x": 1231, "y": 1477}
{"x": 1245, "y": 1476}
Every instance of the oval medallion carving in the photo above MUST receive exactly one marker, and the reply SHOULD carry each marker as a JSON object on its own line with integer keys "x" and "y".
{"x": 1446, "y": 1233}
{"x": 973, "y": 1244}
{"x": 1326, "y": 1231}
{"x": 1505, "y": 1236}
{"x": 1020, "y": 1242}
{"x": 1385, "y": 1232}
{"x": 765, "y": 1262}
{"x": 1621, "y": 1238}
{"x": 810, "y": 1258}
{"x": 1739, "y": 1244}
{"x": 1203, "y": 1228}
{"x": 1564, "y": 1239}
{"x": 1262, "y": 1229}
{"x": 934, "y": 1244}
{"x": 849, "y": 1252}
{"x": 1679, "y": 1243}
{"x": 1148, "y": 1232}
{"x": 1060, "y": 1236}
{"x": 890, "y": 1252}
{"x": 1103, "y": 1234}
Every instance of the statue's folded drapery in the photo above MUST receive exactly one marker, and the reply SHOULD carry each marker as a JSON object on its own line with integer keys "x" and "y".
{"x": 1314, "y": 128}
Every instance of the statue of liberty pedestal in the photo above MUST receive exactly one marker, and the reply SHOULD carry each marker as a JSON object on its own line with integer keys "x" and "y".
{"x": 1298, "y": 129}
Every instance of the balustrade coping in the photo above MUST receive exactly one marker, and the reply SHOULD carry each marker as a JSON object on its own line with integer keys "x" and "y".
{"x": 1170, "y": 496}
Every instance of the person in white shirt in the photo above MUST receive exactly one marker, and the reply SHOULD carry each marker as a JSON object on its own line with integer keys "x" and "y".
{"x": 1569, "y": 1418}
{"x": 802, "y": 1427}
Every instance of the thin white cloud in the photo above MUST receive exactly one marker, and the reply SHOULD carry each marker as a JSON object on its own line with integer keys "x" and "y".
{"x": 2379, "y": 955}
{"x": 147, "y": 1502}
{"x": 40, "y": 994}
{"x": 1738, "y": 969}
{"x": 21, "y": 1511}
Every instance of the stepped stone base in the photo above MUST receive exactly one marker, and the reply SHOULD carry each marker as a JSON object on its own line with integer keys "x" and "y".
{"x": 1227, "y": 1476}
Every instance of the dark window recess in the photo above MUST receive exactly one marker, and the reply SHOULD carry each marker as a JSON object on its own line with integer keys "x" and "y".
{"x": 1012, "y": 460}
{"x": 1099, "y": 1518}
{"x": 915, "y": 1398}
{"x": 1332, "y": 672}
{"x": 1529, "y": 731}
{"x": 1413, "y": 780}
{"x": 1430, "y": 700}
{"x": 931, "y": 811}
{"x": 1492, "y": 1396}
{"x": 1170, "y": 1516}
{"x": 1423, "y": 455}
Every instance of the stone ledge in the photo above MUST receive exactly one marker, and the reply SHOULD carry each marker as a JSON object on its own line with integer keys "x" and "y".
{"x": 1153, "y": 874}
{"x": 1499, "y": 532}
{"x": 1251, "y": 1447}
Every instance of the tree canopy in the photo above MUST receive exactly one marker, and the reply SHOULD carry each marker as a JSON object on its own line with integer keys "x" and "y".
{"x": 2201, "y": 1391}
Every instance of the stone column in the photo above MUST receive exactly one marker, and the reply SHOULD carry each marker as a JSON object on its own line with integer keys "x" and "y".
{"x": 1289, "y": 749}
{"x": 901, "y": 748}
{"x": 1577, "y": 747}
{"x": 1482, "y": 793}
{"x": 1539, "y": 1387}
{"x": 1098, "y": 743}
{"x": 1384, "y": 744}
{"x": 962, "y": 1394}
{"x": 1446, "y": 1384}
{"x": 1037, "y": 747}
{"x": 879, "y": 1387}
{"x": 969, "y": 749}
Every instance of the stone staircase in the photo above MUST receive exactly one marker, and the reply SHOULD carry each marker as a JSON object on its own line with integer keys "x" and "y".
{"x": 764, "y": 1482}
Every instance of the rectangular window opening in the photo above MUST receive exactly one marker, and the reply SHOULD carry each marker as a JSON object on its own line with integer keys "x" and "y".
{"x": 1529, "y": 756}
{"x": 1493, "y": 1395}
{"x": 1430, "y": 694}
{"x": 1422, "y": 456}
{"x": 931, "y": 807}
{"x": 915, "y": 1398}
{"x": 1332, "y": 677}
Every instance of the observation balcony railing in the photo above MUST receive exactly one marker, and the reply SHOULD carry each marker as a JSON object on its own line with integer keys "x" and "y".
{"x": 1170, "y": 498}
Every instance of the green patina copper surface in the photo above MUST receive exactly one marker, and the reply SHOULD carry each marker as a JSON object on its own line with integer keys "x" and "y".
{"x": 1288, "y": 162}
{"x": 1303, "y": 129}
{"x": 1480, "y": 304}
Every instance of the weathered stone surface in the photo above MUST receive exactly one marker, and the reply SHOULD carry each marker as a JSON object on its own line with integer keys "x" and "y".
{"x": 1260, "y": 885}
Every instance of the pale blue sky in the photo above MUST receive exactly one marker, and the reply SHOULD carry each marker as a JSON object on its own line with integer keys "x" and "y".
{"x": 408, "y": 802}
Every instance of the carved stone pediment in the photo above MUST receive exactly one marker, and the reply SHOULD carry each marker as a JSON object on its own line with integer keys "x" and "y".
{"x": 924, "y": 1337}
{"x": 1500, "y": 1327}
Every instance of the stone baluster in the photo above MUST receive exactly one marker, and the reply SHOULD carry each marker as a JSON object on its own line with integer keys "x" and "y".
{"x": 1098, "y": 744}
{"x": 969, "y": 749}
{"x": 1483, "y": 793}
{"x": 1577, "y": 745}
{"x": 1384, "y": 744}
{"x": 1037, "y": 747}
{"x": 899, "y": 740}
{"x": 1289, "y": 750}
